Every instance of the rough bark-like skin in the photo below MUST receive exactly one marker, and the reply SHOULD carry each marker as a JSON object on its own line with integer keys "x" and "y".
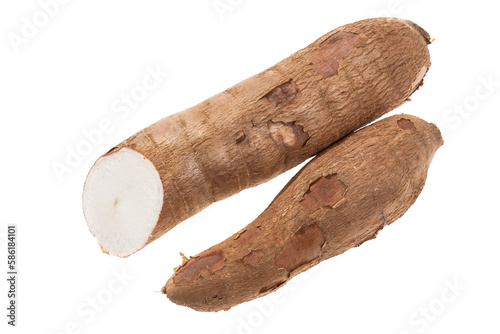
{"x": 278, "y": 118}
{"x": 379, "y": 171}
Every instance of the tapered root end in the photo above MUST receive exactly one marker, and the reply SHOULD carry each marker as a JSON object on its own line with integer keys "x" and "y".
{"x": 430, "y": 135}
{"x": 179, "y": 297}
{"x": 421, "y": 30}
{"x": 122, "y": 201}
{"x": 435, "y": 135}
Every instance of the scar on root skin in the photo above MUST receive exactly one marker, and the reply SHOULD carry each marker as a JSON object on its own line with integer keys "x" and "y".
{"x": 254, "y": 257}
{"x": 303, "y": 247}
{"x": 240, "y": 137}
{"x": 289, "y": 136}
{"x": 283, "y": 93}
{"x": 248, "y": 235}
{"x": 221, "y": 180}
{"x": 204, "y": 265}
{"x": 325, "y": 191}
{"x": 406, "y": 124}
{"x": 326, "y": 59}
{"x": 272, "y": 287}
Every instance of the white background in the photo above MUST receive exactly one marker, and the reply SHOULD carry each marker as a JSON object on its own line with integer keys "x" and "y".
{"x": 69, "y": 75}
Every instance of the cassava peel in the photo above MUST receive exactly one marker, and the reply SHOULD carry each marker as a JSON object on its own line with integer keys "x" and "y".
{"x": 340, "y": 199}
{"x": 253, "y": 131}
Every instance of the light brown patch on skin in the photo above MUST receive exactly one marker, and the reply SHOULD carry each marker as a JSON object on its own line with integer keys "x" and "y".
{"x": 249, "y": 235}
{"x": 204, "y": 265}
{"x": 326, "y": 59}
{"x": 303, "y": 247}
{"x": 283, "y": 93}
{"x": 272, "y": 287}
{"x": 254, "y": 257}
{"x": 406, "y": 124}
{"x": 419, "y": 80}
{"x": 219, "y": 181}
{"x": 325, "y": 191}
{"x": 288, "y": 136}
{"x": 240, "y": 137}
{"x": 239, "y": 233}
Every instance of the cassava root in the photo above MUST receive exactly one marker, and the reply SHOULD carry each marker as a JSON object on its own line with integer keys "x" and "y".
{"x": 340, "y": 199}
{"x": 253, "y": 131}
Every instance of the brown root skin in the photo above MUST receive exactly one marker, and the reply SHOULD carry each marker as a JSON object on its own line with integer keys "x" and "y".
{"x": 275, "y": 120}
{"x": 357, "y": 186}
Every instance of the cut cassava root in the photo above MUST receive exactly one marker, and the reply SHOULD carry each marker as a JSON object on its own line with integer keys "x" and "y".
{"x": 340, "y": 199}
{"x": 118, "y": 202}
{"x": 254, "y": 130}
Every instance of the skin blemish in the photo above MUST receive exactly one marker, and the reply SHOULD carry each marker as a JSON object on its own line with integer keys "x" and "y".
{"x": 303, "y": 247}
{"x": 240, "y": 137}
{"x": 283, "y": 93}
{"x": 323, "y": 192}
{"x": 220, "y": 181}
{"x": 326, "y": 59}
{"x": 288, "y": 136}
{"x": 253, "y": 258}
{"x": 270, "y": 288}
{"x": 419, "y": 80}
{"x": 406, "y": 124}
{"x": 249, "y": 235}
{"x": 204, "y": 265}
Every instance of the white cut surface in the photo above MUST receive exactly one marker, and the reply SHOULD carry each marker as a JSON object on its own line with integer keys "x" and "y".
{"x": 122, "y": 200}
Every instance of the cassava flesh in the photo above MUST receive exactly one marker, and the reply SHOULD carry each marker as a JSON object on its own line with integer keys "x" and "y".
{"x": 340, "y": 199}
{"x": 253, "y": 131}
